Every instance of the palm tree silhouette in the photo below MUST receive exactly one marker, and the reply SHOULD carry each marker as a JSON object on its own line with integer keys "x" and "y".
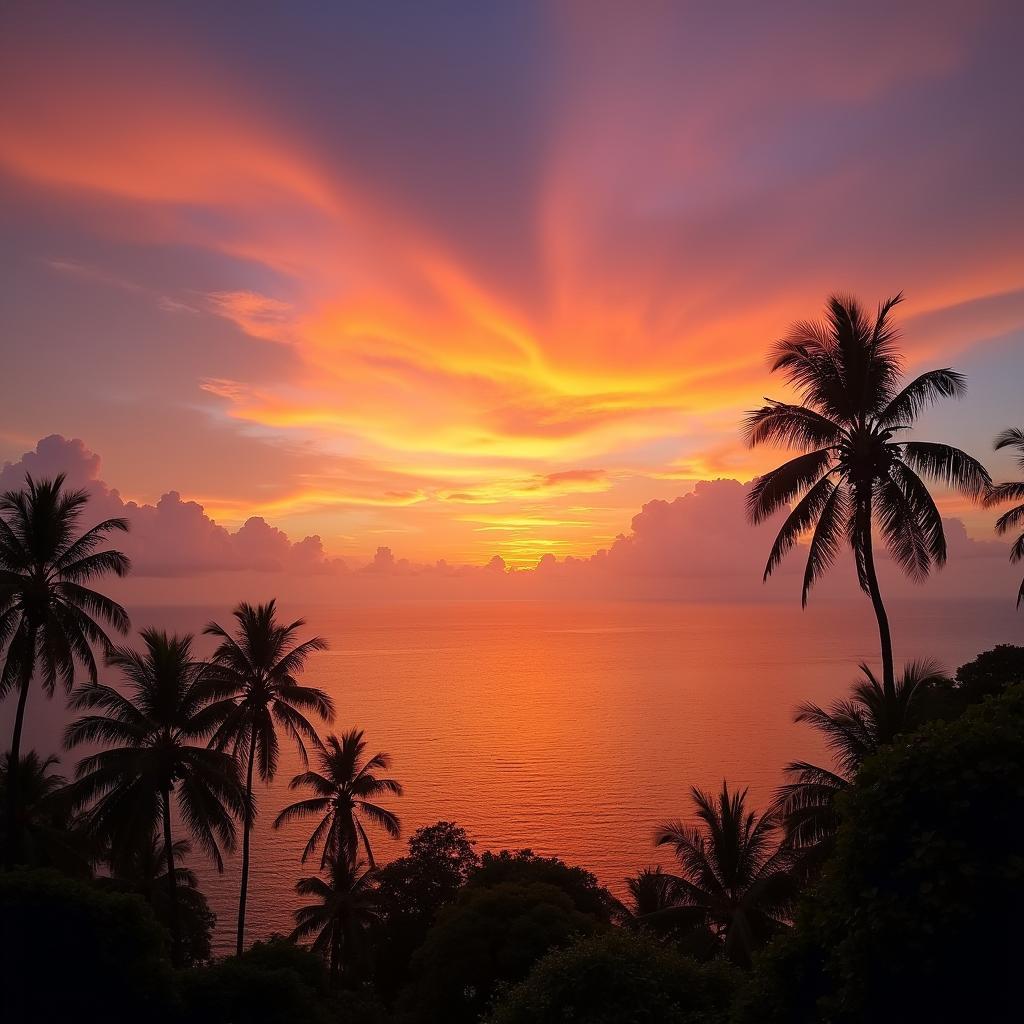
{"x": 1011, "y": 491}
{"x": 854, "y": 729}
{"x": 853, "y": 474}
{"x": 344, "y": 788}
{"x": 346, "y": 905}
{"x": 48, "y": 616}
{"x": 651, "y": 890}
{"x": 51, "y": 835}
{"x": 260, "y": 663}
{"x": 735, "y": 877}
{"x": 156, "y": 741}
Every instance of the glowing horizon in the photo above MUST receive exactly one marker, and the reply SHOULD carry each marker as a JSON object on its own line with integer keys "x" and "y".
{"x": 471, "y": 283}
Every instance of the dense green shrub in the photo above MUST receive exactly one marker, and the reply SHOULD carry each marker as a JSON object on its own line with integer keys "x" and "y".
{"x": 273, "y": 982}
{"x": 524, "y": 867}
{"x": 918, "y": 915}
{"x": 410, "y": 892}
{"x": 71, "y": 951}
{"x": 991, "y": 672}
{"x": 619, "y": 978}
{"x": 492, "y": 935}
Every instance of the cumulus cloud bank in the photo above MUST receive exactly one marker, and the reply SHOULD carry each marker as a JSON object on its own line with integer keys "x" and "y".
{"x": 698, "y": 546}
{"x": 174, "y": 537}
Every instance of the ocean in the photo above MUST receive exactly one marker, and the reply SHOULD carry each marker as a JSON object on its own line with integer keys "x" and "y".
{"x": 572, "y": 729}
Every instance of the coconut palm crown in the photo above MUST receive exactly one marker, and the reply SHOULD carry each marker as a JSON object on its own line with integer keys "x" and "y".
{"x": 733, "y": 871}
{"x": 344, "y": 789}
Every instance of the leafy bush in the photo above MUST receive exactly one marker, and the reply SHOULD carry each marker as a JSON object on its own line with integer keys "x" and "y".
{"x": 991, "y": 672}
{"x": 524, "y": 867}
{"x": 492, "y": 935}
{"x": 74, "y": 952}
{"x": 410, "y": 892}
{"x": 917, "y": 917}
{"x": 274, "y": 982}
{"x": 619, "y": 978}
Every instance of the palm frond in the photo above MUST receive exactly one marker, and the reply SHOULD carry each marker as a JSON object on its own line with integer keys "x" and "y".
{"x": 774, "y": 489}
{"x": 948, "y": 465}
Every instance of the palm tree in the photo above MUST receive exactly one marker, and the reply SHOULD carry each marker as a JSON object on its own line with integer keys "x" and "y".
{"x": 346, "y": 905}
{"x": 156, "y": 740}
{"x": 344, "y": 788}
{"x": 260, "y": 664}
{"x": 1011, "y": 491}
{"x": 51, "y": 835}
{"x": 854, "y": 729}
{"x": 855, "y": 472}
{"x": 734, "y": 875}
{"x": 48, "y": 616}
{"x": 651, "y": 890}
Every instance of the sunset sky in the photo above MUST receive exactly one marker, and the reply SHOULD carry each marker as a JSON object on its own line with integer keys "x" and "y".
{"x": 466, "y": 280}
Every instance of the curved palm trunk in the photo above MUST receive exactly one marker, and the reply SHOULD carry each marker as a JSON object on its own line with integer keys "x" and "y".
{"x": 12, "y": 855}
{"x": 871, "y": 580}
{"x": 246, "y": 830}
{"x": 172, "y": 886}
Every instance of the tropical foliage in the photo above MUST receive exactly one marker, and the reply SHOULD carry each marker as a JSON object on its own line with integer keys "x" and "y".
{"x": 346, "y": 905}
{"x": 155, "y": 748}
{"x": 854, "y": 729}
{"x": 1012, "y": 490}
{"x": 51, "y": 835}
{"x": 734, "y": 877}
{"x": 344, "y": 789}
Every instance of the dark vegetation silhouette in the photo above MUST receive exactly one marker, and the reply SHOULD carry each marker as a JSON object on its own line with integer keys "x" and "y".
{"x": 48, "y": 616}
{"x": 854, "y": 729}
{"x": 142, "y": 869}
{"x": 1013, "y": 490}
{"x": 156, "y": 747}
{"x": 260, "y": 663}
{"x": 856, "y": 473}
{"x": 344, "y": 790}
{"x": 345, "y": 907}
{"x": 884, "y": 886}
{"x": 734, "y": 876}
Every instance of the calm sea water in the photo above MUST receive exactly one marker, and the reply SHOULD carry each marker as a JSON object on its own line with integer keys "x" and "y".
{"x": 570, "y": 728}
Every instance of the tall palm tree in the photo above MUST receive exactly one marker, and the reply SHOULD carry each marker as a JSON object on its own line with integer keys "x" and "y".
{"x": 48, "y": 616}
{"x": 734, "y": 873}
{"x": 1013, "y": 490}
{"x": 260, "y": 663}
{"x": 856, "y": 473}
{"x": 346, "y": 905}
{"x": 854, "y": 729}
{"x": 156, "y": 740}
{"x": 344, "y": 788}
